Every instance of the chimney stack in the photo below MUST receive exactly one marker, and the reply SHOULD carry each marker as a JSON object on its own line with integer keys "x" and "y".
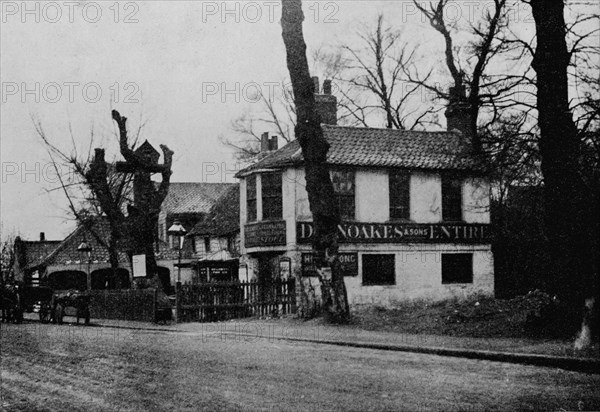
{"x": 327, "y": 87}
{"x": 264, "y": 142}
{"x": 326, "y": 103}
{"x": 42, "y": 236}
{"x": 316, "y": 88}
{"x": 457, "y": 112}
{"x": 273, "y": 143}
{"x": 267, "y": 144}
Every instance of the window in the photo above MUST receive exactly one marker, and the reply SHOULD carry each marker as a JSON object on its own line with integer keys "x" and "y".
{"x": 206, "y": 244}
{"x": 378, "y": 270}
{"x": 343, "y": 188}
{"x": 272, "y": 200}
{"x": 451, "y": 199}
{"x": 251, "y": 198}
{"x": 399, "y": 195}
{"x": 457, "y": 268}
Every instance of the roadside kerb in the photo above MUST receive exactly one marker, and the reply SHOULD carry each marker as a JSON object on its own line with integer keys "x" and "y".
{"x": 586, "y": 365}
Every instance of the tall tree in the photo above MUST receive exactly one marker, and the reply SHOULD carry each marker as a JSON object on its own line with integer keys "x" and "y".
{"x": 569, "y": 205}
{"x": 308, "y": 131}
{"x": 71, "y": 169}
{"x": 377, "y": 70}
{"x": 474, "y": 87}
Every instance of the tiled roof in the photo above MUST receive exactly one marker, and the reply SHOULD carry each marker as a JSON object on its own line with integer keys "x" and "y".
{"x": 193, "y": 197}
{"x": 370, "y": 147}
{"x": 36, "y": 251}
{"x": 67, "y": 253}
{"x": 224, "y": 217}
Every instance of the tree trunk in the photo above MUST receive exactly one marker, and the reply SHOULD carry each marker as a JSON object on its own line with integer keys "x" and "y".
{"x": 318, "y": 182}
{"x": 567, "y": 202}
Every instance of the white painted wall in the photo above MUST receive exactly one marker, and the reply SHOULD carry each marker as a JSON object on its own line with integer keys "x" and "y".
{"x": 418, "y": 266}
{"x": 419, "y": 275}
{"x": 372, "y": 199}
{"x": 476, "y": 200}
{"x": 425, "y": 197}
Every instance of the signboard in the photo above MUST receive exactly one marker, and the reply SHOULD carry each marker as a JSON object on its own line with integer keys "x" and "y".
{"x": 354, "y": 232}
{"x": 285, "y": 269}
{"x": 265, "y": 234}
{"x": 139, "y": 266}
{"x": 349, "y": 263}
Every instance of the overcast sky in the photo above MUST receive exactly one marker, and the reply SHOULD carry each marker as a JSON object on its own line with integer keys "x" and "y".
{"x": 170, "y": 62}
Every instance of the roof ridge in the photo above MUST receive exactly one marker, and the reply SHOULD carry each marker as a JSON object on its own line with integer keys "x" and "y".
{"x": 336, "y": 126}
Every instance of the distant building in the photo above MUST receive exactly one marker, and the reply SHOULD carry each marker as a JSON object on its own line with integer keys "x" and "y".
{"x": 414, "y": 205}
{"x": 62, "y": 266}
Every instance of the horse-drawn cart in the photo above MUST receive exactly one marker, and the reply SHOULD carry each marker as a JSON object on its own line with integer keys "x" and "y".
{"x": 80, "y": 301}
{"x": 37, "y": 295}
{"x": 52, "y": 305}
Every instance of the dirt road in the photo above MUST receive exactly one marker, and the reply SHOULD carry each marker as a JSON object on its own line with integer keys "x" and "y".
{"x": 50, "y": 367}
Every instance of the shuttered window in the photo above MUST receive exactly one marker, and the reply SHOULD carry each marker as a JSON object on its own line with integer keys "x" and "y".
{"x": 451, "y": 199}
{"x": 399, "y": 188}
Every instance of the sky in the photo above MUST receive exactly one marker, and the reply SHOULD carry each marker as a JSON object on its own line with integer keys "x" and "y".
{"x": 183, "y": 69}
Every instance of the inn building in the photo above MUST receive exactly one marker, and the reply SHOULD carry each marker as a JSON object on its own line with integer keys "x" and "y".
{"x": 414, "y": 207}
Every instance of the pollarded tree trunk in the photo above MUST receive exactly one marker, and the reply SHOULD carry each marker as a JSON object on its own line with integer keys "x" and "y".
{"x": 142, "y": 219}
{"x": 567, "y": 200}
{"x": 318, "y": 182}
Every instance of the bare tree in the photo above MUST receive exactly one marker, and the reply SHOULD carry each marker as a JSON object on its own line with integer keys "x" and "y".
{"x": 571, "y": 222}
{"x": 474, "y": 87}
{"x": 318, "y": 181}
{"x": 71, "y": 169}
{"x": 377, "y": 70}
{"x": 97, "y": 188}
{"x": 276, "y": 113}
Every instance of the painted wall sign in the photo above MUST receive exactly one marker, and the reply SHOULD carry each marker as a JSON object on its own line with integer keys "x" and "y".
{"x": 265, "y": 234}
{"x": 349, "y": 263}
{"x": 354, "y": 232}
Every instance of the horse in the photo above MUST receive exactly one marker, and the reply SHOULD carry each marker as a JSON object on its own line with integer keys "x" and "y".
{"x": 10, "y": 302}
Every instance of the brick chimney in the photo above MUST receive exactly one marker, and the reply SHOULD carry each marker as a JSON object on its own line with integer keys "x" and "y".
{"x": 268, "y": 144}
{"x": 264, "y": 142}
{"x": 457, "y": 112}
{"x": 326, "y": 102}
{"x": 273, "y": 143}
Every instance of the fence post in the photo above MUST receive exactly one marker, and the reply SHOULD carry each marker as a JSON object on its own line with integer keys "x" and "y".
{"x": 177, "y": 300}
{"x": 154, "y": 319}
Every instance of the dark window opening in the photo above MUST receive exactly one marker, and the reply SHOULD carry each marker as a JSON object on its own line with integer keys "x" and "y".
{"x": 272, "y": 199}
{"x": 399, "y": 195}
{"x": 251, "y": 198}
{"x": 378, "y": 270}
{"x": 451, "y": 199}
{"x": 344, "y": 191}
{"x": 457, "y": 268}
{"x": 207, "y": 244}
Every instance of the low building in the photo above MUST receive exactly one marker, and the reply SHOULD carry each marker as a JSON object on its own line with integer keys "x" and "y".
{"x": 62, "y": 266}
{"x": 217, "y": 240}
{"x": 414, "y": 207}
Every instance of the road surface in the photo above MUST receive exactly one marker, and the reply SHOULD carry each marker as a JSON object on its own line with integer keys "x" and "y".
{"x": 67, "y": 367}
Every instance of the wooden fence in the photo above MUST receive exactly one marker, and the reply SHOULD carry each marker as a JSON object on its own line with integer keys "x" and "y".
{"x": 211, "y": 302}
{"x": 124, "y": 304}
